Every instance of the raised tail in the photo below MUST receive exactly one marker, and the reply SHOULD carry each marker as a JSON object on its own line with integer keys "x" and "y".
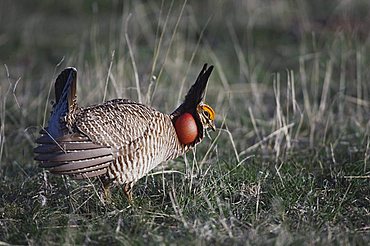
{"x": 65, "y": 102}
{"x": 65, "y": 85}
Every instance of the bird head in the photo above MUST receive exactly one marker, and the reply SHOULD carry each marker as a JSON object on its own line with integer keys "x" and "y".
{"x": 206, "y": 115}
{"x": 193, "y": 116}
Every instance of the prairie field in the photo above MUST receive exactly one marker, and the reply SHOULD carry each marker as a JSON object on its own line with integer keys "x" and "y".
{"x": 289, "y": 163}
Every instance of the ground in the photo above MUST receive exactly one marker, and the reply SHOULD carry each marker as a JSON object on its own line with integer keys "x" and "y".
{"x": 288, "y": 164}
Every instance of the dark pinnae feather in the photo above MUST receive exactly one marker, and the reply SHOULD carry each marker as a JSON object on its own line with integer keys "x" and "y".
{"x": 196, "y": 93}
{"x": 192, "y": 99}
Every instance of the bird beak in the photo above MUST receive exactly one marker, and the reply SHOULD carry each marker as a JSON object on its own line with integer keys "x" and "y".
{"x": 213, "y": 126}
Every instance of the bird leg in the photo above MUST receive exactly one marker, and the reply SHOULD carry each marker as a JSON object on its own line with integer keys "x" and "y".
{"x": 107, "y": 194}
{"x": 127, "y": 189}
{"x": 106, "y": 188}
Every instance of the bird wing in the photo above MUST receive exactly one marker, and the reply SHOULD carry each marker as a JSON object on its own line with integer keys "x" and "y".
{"x": 116, "y": 123}
{"x": 101, "y": 131}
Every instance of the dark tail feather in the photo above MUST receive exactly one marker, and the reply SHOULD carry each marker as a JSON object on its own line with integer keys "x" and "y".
{"x": 196, "y": 93}
{"x": 74, "y": 155}
{"x": 65, "y": 101}
{"x": 65, "y": 86}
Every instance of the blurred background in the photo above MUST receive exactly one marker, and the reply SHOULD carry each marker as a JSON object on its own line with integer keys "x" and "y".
{"x": 310, "y": 57}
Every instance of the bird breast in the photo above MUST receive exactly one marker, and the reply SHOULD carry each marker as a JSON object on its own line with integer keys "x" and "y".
{"x": 158, "y": 143}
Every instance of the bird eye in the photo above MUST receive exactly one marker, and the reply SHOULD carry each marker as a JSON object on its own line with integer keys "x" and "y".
{"x": 208, "y": 112}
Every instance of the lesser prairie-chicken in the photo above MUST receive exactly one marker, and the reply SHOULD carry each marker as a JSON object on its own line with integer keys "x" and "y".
{"x": 120, "y": 140}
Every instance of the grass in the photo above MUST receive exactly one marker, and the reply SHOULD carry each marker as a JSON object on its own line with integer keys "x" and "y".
{"x": 288, "y": 165}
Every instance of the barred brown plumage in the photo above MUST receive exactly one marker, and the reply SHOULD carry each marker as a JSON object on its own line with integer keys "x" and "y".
{"x": 119, "y": 141}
